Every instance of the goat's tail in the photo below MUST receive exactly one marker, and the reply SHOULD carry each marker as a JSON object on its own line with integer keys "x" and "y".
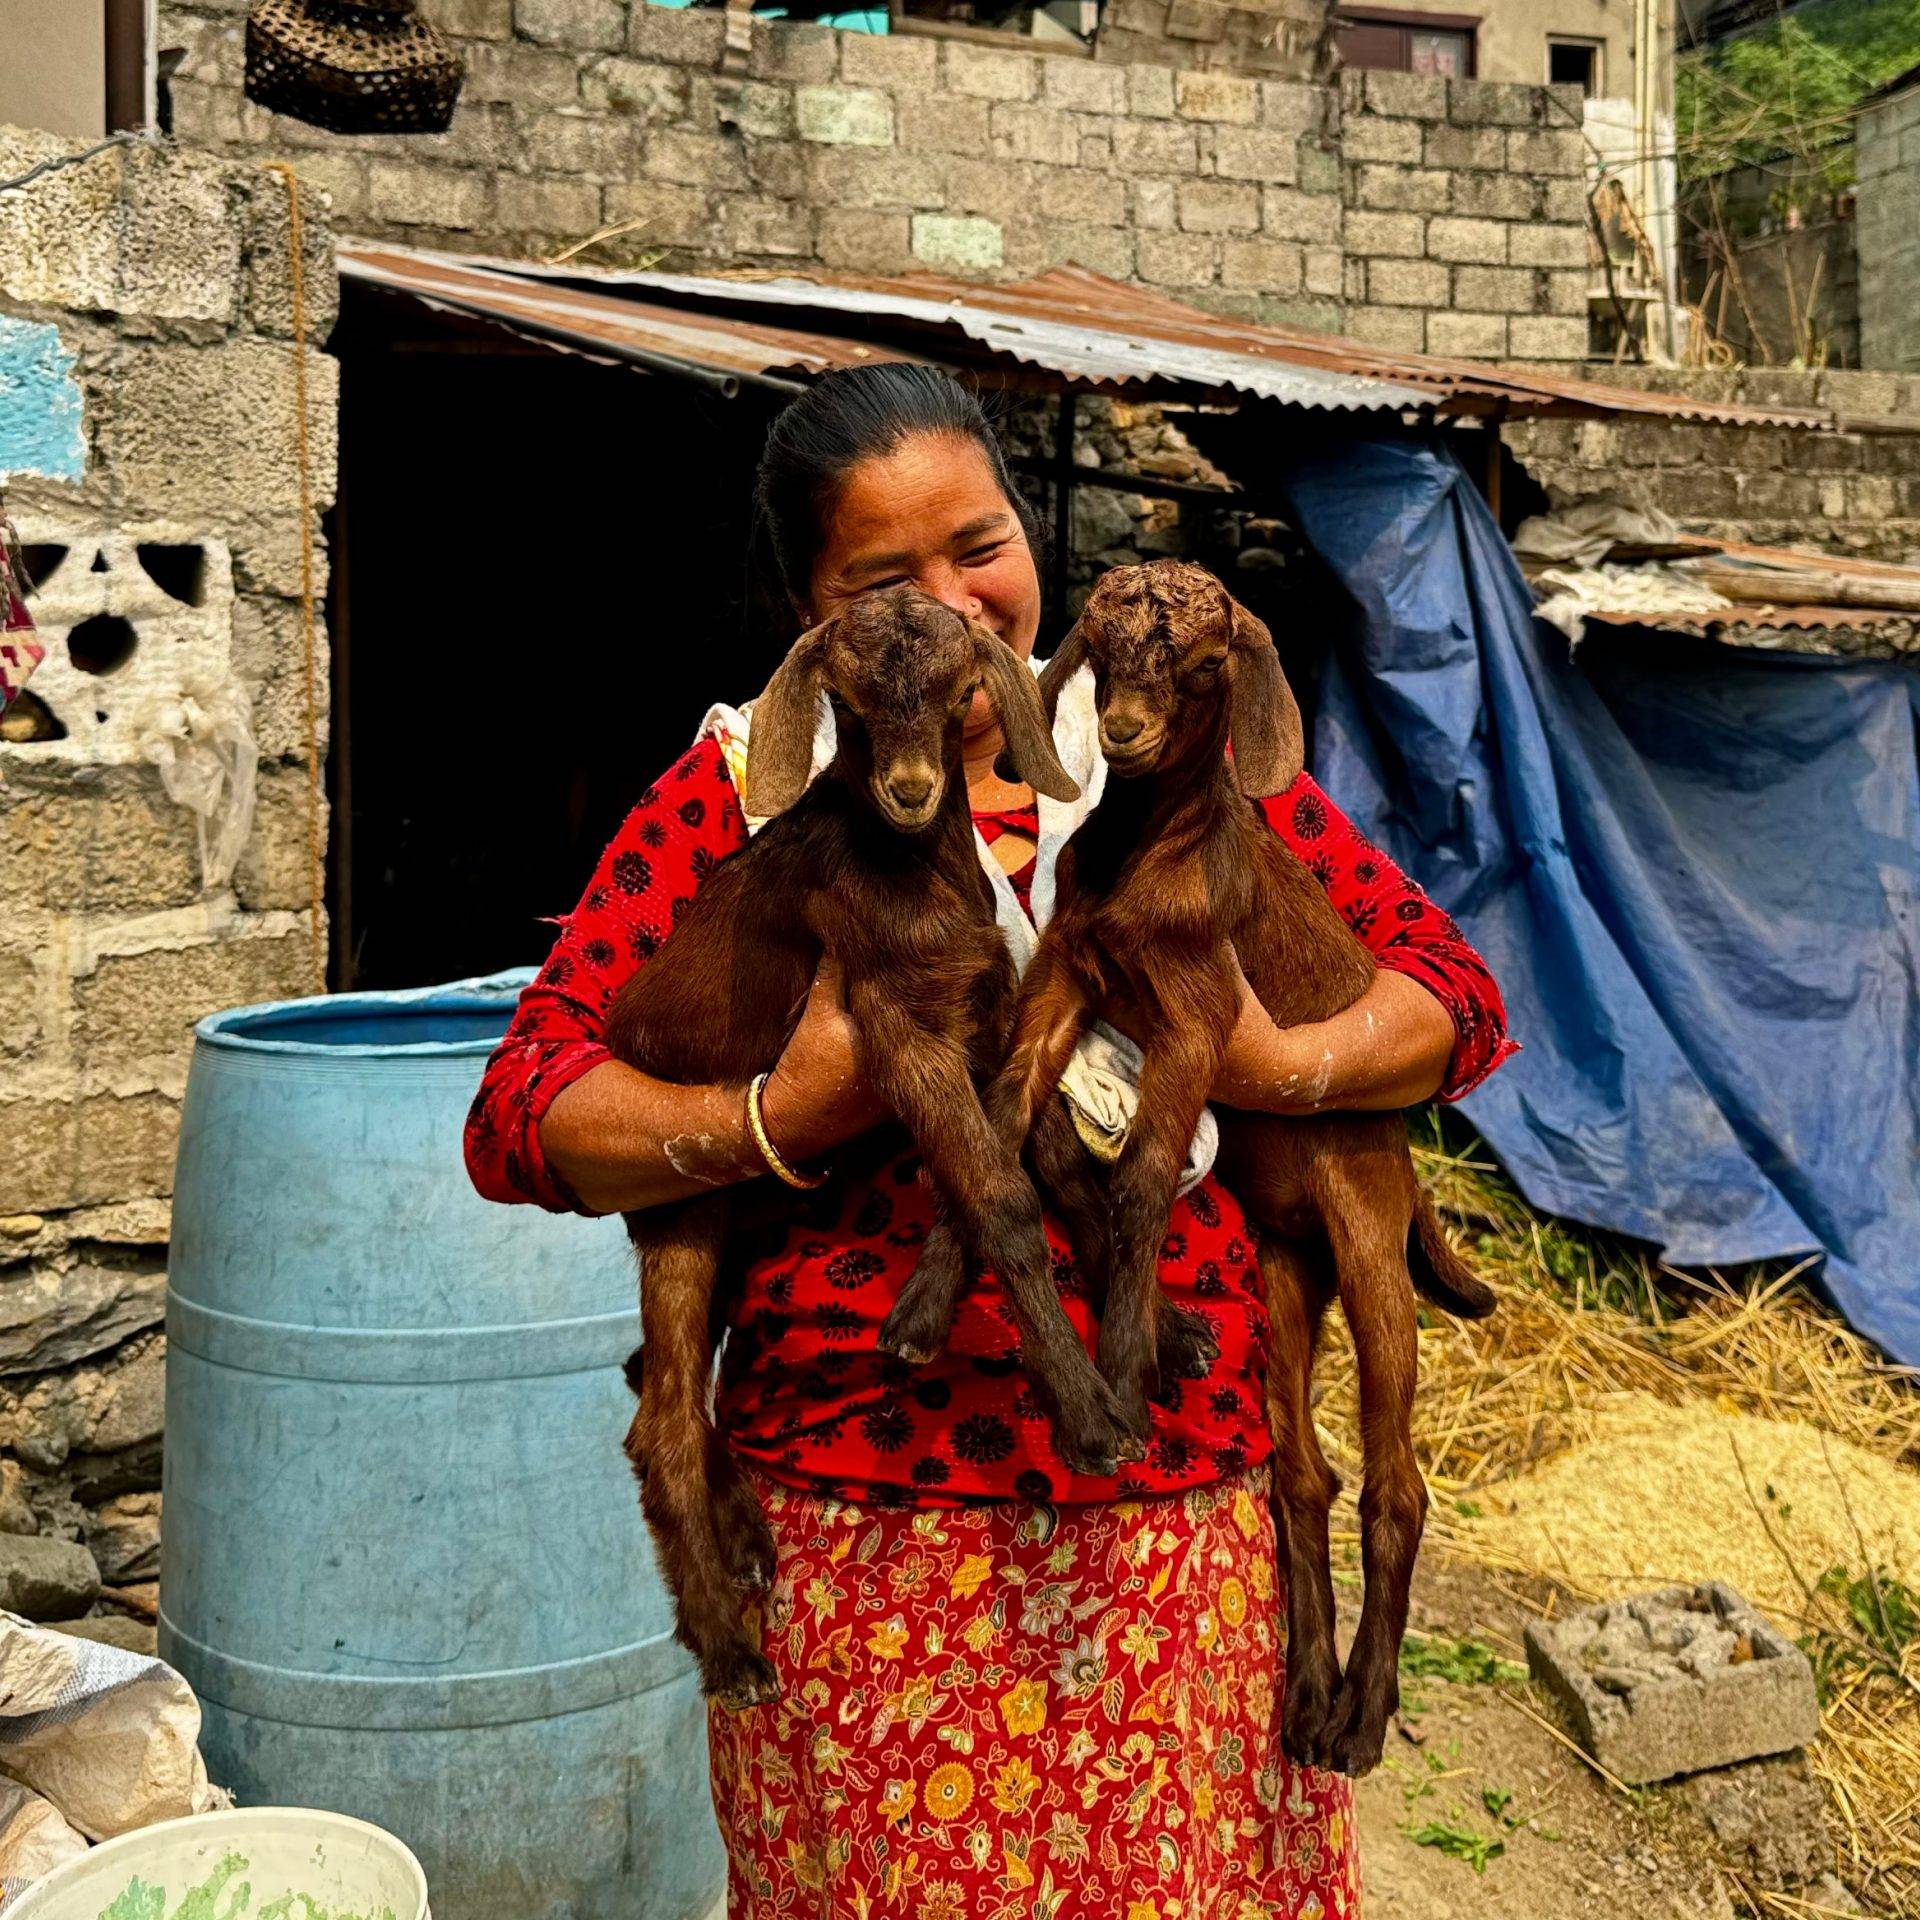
{"x": 1439, "y": 1273}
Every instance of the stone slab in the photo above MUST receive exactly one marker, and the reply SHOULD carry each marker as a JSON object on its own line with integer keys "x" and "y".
{"x": 1676, "y": 1681}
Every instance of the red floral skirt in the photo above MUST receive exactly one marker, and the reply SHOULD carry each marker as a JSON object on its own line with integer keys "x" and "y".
{"x": 1007, "y": 1710}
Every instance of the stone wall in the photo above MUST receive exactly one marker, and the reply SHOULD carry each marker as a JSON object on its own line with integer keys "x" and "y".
{"x": 1887, "y": 231}
{"x": 160, "y": 284}
{"x": 1411, "y": 211}
{"x": 1843, "y": 493}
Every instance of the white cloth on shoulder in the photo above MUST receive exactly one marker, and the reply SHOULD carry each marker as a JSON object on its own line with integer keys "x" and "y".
{"x": 1102, "y": 1080}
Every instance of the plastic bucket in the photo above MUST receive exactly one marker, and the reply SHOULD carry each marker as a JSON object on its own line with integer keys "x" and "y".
{"x": 323, "y": 1865}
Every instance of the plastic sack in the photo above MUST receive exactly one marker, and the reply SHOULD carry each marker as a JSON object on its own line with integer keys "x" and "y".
{"x": 200, "y": 736}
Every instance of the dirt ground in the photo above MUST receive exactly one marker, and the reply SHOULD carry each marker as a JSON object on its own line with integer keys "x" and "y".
{"x": 1479, "y": 1810}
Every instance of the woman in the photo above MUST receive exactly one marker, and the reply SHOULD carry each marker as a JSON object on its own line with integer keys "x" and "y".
{"x": 1007, "y": 1690}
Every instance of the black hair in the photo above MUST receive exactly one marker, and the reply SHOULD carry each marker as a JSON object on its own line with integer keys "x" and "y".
{"x": 850, "y": 415}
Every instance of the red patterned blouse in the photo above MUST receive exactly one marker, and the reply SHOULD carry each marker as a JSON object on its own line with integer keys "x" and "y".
{"x": 807, "y": 1395}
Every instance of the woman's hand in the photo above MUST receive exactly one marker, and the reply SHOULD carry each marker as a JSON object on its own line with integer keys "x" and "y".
{"x": 817, "y": 1097}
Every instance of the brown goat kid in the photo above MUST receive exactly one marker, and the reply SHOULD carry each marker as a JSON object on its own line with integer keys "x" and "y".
{"x": 1171, "y": 877}
{"x": 875, "y": 864}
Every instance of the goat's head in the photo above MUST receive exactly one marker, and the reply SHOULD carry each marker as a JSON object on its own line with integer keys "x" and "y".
{"x": 901, "y": 670}
{"x": 1173, "y": 654}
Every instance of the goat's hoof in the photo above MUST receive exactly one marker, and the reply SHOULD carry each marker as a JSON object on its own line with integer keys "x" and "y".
{"x": 746, "y": 1541}
{"x": 914, "y": 1331}
{"x": 1186, "y": 1346}
{"x": 1360, "y": 1730}
{"x": 739, "y": 1678}
{"x": 1307, "y": 1712}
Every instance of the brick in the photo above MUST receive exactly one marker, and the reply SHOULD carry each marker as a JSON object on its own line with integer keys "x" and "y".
{"x": 889, "y": 60}
{"x": 1395, "y": 141}
{"x": 1407, "y": 283}
{"x": 1401, "y": 236}
{"x": 1468, "y": 336}
{"x": 1405, "y": 189}
{"x": 696, "y": 160}
{"x": 682, "y": 36}
{"x": 1493, "y": 196}
{"x": 1150, "y": 93}
{"x": 1675, "y": 1682}
{"x": 1083, "y": 86}
{"x": 1532, "y": 338}
{"x": 1493, "y": 289}
{"x": 1491, "y": 103}
{"x": 1290, "y": 215}
{"x": 949, "y": 240}
{"x": 1253, "y": 153}
{"x": 1401, "y": 329}
{"x": 794, "y": 50}
{"x": 844, "y": 116}
{"x": 586, "y": 145}
{"x": 1177, "y": 259}
{"x": 1546, "y": 153}
{"x": 1261, "y": 266}
{"x": 1288, "y": 107}
{"x": 1154, "y": 147}
{"x": 862, "y": 177}
{"x": 77, "y": 1153}
{"x": 943, "y": 123}
{"x": 1154, "y": 208}
{"x": 1023, "y": 132}
{"x": 1407, "y": 96}
{"x": 866, "y": 240}
{"x": 1465, "y": 149}
{"x": 1217, "y": 96}
{"x": 1482, "y": 242}
{"x": 409, "y": 195}
{"x": 1089, "y": 199}
{"x": 989, "y": 74}
{"x": 674, "y": 216}
{"x": 572, "y": 23}
{"x": 566, "y": 207}
{"x": 1218, "y": 206}
{"x": 1533, "y": 244}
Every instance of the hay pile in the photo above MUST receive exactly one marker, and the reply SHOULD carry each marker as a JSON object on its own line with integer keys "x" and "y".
{"x": 1594, "y": 1429}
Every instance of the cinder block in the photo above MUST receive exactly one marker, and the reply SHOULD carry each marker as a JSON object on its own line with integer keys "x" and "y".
{"x": 1397, "y": 328}
{"x": 844, "y": 116}
{"x": 1396, "y": 142}
{"x": 941, "y": 122}
{"x": 863, "y": 177}
{"x": 1081, "y": 86}
{"x": 572, "y": 23}
{"x": 1535, "y": 244}
{"x": 407, "y": 195}
{"x": 998, "y": 190}
{"x": 793, "y": 50}
{"x": 1675, "y": 1682}
{"x": 990, "y": 74}
{"x": 1087, "y": 199}
{"x": 76, "y": 1153}
{"x": 1177, "y": 259}
{"x": 537, "y": 76}
{"x": 1217, "y": 96}
{"x": 674, "y": 216}
{"x": 1553, "y": 154}
{"x": 953, "y": 240}
{"x": 1407, "y": 96}
{"x": 1497, "y": 196}
{"x": 1291, "y": 215}
{"x": 889, "y": 60}
{"x": 1155, "y": 147}
{"x": 692, "y": 159}
{"x": 683, "y": 36}
{"x": 1393, "y": 236}
{"x": 1288, "y": 107}
{"x": 1404, "y": 189}
{"x": 1255, "y": 153}
{"x": 1539, "y": 337}
{"x": 1262, "y": 266}
{"x": 1490, "y": 103}
{"x": 868, "y": 241}
{"x": 1025, "y": 132}
{"x": 1482, "y": 242}
{"x": 766, "y": 226}
{"x": 1468, "y": 336}
{"x": 1466, "y": 149}
{"x": 1150, "y": 92}
{"x": 1407, "y": 283}
{"x": 1493, "y": 289}
{"x": 1219, "y": 206}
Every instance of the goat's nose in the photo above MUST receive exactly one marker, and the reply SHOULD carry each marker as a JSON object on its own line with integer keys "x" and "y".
{"x": 910, "y": 786}
{"x": 1122, "y": 727}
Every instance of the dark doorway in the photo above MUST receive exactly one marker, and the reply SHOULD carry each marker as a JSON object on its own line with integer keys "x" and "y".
{"x": 538, "y": 569}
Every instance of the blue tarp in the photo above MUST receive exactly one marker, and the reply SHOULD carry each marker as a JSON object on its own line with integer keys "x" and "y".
{"x": 1693, "y": 869}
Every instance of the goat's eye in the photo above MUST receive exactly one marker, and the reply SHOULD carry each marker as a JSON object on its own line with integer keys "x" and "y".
{"x": 1205, "y": 673}
{"x": 965, "y": 700}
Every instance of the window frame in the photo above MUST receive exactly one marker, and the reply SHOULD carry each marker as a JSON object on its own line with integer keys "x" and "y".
{"x": 1407, "y": 22}
{"x": 1594, "y": 45}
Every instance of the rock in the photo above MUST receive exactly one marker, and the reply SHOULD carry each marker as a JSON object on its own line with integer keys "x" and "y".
{"x": 113, "y": 1630}
{"x": 99, "y": 1477}
{"x": 16, "y": 1510}
{"x": 1675, "y": 1682}
{"x": 1769, "y": 1817}
{"x": 51, "y": 1319}
{"x": 46, "y": 1579}
{"x": 100, "y": 1406}
{"x": 125, "y": 1538}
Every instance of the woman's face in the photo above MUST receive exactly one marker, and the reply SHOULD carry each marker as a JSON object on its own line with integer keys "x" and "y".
{"x": 931, "y": 515}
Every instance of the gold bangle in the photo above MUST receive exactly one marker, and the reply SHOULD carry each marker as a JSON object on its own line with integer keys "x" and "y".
{"x": 776, "y": 1165}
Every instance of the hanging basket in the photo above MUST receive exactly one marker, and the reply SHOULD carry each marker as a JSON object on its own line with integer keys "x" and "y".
{"x": 365, "y": 67}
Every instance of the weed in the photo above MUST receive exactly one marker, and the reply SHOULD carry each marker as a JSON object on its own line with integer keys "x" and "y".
{"x": 1466, "y": 1662}
{"x": 1458, "y": 1842}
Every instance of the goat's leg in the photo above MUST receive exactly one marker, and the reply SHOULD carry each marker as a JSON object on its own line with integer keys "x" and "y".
{"x": 1368, "y": 1234}
{"x": 995, "y": 1211}
{"x": 1173, "y": 1090}
{"x": 706, "y": 1522}
{"x": 1051, "y": 1015}
{"x": 1303, "y": 1491}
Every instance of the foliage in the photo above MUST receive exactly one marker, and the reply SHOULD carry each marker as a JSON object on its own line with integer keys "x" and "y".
{"x": 1790, "y": 89}
{"x": 1467, "y": 1662}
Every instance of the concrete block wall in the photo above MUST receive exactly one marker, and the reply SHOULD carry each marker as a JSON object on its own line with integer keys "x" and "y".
{"x": 1395, "y": 207}
{"x": 1887, "y": 231}
{"x": 164, "y": 279}
{"x": 1840, "y": 493}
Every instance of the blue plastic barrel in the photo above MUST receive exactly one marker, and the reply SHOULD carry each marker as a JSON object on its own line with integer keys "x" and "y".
{"x": 404, "y": 1566}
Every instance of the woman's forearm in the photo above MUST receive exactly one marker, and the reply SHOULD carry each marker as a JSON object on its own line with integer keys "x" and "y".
{"x": 1391, "y": 1048}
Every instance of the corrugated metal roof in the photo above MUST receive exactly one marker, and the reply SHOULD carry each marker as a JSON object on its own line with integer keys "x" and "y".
{"x": 1101, "y": 332}
{"x": 614, "y": 326}
{"x": 1068, "y": 329}
{"x": 1752, "y": 619}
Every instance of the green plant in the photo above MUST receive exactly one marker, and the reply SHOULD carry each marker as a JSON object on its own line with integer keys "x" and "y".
{"x": 1464, "y": 1661}
{"x": 1458, "y": 1842}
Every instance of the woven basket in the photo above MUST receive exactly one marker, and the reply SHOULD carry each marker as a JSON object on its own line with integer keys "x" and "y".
{"x": 364, "y": 67}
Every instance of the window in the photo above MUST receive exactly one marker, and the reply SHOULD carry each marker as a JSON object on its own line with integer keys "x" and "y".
{"x": 1574, "y": 63}
{"x": 1438, "y": 43}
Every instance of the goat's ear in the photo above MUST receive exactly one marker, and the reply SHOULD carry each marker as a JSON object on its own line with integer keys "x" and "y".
{"x": 1066, "y": 662}
{"x": 780, "y": 741}
{"x": 1269, "y": 747}
{"x": 1023, "y": 719}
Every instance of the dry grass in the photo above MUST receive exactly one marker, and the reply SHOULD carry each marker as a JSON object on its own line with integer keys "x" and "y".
{"x": 1585, "y": 1321}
